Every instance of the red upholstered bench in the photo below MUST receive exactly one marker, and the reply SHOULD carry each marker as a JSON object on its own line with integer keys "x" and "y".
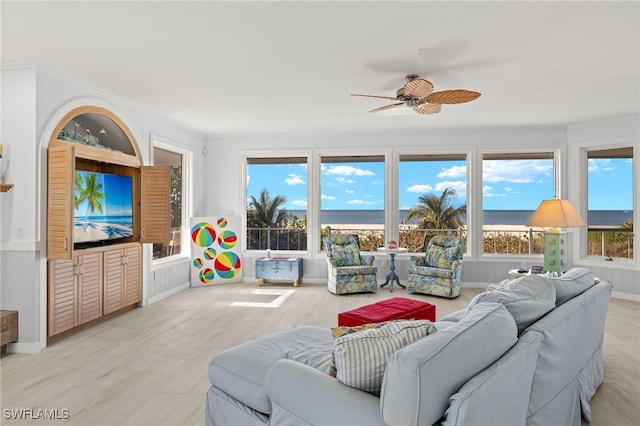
{"x": 387, "y": 310}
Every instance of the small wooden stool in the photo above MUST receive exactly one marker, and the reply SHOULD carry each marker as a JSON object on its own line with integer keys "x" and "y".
{"x": 8, "y": 328}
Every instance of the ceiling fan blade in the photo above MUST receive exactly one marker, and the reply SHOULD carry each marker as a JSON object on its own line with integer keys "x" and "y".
{"x": 374, "y": 96}
{"x": 387, "y": 107}
{"x": 418, "y": 87}
{"x": 427, "y": 108}
{"x": 457, "y": 96}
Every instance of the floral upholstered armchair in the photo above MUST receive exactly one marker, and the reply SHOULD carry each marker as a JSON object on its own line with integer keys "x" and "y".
{"x": 438, "y": 271}
{"x": 349, "y": 271}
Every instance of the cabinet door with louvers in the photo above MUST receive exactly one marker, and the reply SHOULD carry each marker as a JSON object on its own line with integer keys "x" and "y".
{"x": 155, "y": 204}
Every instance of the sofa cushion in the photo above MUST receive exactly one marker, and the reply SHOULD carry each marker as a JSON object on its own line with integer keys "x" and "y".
{"x": 347, "y": 255}
{"x": 527, "y": 298}
{"x": 241, "y": 371}
{"x": 361, "y": 357}
{"x": 571, "y": 284}
{"x": 421, "y": 376}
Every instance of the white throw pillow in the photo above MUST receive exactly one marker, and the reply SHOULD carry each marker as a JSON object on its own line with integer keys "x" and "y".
{"x": 361, "y": 357}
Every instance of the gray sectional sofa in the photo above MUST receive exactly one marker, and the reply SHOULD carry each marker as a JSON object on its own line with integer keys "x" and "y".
{"x": 526, "y": 353}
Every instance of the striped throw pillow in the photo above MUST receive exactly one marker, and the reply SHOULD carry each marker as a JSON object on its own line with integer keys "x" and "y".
{"x": 361, "y": 357}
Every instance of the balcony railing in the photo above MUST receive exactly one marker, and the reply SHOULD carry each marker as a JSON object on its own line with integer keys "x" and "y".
{"x": 601, "y": 242}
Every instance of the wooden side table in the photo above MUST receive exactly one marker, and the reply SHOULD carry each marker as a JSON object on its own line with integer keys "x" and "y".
{"x": 392, "y": 276}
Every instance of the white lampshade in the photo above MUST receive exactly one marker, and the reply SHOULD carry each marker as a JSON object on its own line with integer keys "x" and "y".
{"x": 556, "y": 213}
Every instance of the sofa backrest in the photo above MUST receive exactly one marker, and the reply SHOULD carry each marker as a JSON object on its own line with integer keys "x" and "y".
{"x": 527, "y": 298}
{"x": 572, "y": 339}
{"x": 420, "y": 377}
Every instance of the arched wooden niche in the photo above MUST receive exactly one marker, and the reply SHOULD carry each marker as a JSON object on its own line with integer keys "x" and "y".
{"x": 97, "y": 134}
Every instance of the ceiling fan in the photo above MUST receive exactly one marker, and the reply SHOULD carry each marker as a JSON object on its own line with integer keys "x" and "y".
{"x": 417, "y": 93}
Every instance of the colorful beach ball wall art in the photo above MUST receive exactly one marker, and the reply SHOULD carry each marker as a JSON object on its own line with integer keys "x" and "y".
{"x": 203, "y": 234}
{"x": 217, "y": 259}
{"x": 207, "y": 275}
{"x": 227, "y": 265}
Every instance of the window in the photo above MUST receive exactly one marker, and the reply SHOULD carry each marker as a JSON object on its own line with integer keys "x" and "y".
{"x": 352, "y": 198}
{"x": 610, "y": 203}
{"x": 164, "y": 154}
{"x": 513, "y": 184}
{"x": 432, "y": 197}
{"x": 276, "y": 209}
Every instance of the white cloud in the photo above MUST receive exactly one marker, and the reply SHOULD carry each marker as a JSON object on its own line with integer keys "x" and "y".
{"x": 459, "y": 186}
{"x": 517, "y": 171}
{"x": 362, "y": 202}
{"x": 294, "y": 179}
{"x": 599, "y": 165}
{"x": 349, "y": 191}
{"x": 453, "y": 172}
{"x": 423, "y": 188}
{"x": 487, "y": 189}
{"x": 345, "y": 180}
{"x": 347, "y": 171}
{"x": 300, "y": 203}
{"x": 327, "y": 197}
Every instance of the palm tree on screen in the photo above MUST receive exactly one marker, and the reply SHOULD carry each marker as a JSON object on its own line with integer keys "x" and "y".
{"x": 88, "y": 189}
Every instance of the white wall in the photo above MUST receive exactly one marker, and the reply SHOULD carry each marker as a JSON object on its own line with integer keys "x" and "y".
{"x": 33, "y": 101}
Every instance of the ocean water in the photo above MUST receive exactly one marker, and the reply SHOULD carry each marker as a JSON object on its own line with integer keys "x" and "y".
{"x": 115, "y": 220}
{"x": 490, "y": 217}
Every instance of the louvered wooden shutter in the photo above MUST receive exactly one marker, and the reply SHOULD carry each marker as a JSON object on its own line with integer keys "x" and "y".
{"x": 60, "y": 186}
{"x": 155, "y": 204}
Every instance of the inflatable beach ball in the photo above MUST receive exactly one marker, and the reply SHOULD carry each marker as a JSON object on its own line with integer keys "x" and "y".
{"x": 222, "y": 222}
{"x": 227, "y": 264}
{"x": 203, "y": 234}
{"x": 198, "y": 262}
{"x": 227, "y": 239}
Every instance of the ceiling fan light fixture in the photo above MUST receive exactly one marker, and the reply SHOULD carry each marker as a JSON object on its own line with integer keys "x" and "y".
{"x": 417, "y": 93}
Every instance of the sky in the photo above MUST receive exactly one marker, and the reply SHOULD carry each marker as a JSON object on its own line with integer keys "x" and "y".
{"x": 507, "y": 184}
{"x": 117, "y": 201}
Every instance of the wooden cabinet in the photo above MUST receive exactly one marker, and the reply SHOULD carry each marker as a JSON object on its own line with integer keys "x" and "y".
{"x": 75, "y": 292}
{"x": 94, "y": 283}
{"x": 85, "y": 284}
{"x": 122, "y": 277}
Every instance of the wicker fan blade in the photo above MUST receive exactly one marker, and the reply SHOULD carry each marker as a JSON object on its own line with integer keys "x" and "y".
{"x": 374, "y": 96}
{"x": 387, "y": 107}
{"x": 458, "y": 96}
{"x": 418, "y": 87}
{"x": 427, "y": 108}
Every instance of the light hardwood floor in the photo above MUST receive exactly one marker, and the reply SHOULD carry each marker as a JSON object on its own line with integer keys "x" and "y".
{"x": 149, "y": 366}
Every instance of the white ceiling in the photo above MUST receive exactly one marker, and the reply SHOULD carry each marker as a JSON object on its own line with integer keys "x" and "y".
{"x": 242, "y": 68}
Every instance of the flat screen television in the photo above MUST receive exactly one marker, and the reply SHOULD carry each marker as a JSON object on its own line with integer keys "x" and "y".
{"x": 103, "y": 207}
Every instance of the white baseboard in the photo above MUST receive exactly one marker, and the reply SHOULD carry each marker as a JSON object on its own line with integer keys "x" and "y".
{"x": 25, "y": 348}
{"x": 166, "y": 294}
{"x": 625, "y": 296}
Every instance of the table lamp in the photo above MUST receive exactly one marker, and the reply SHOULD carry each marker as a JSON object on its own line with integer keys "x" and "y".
{"x": 554, "y": 214}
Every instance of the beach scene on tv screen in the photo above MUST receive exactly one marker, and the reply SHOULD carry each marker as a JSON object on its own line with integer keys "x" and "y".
{"x": 102, "y": 207}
